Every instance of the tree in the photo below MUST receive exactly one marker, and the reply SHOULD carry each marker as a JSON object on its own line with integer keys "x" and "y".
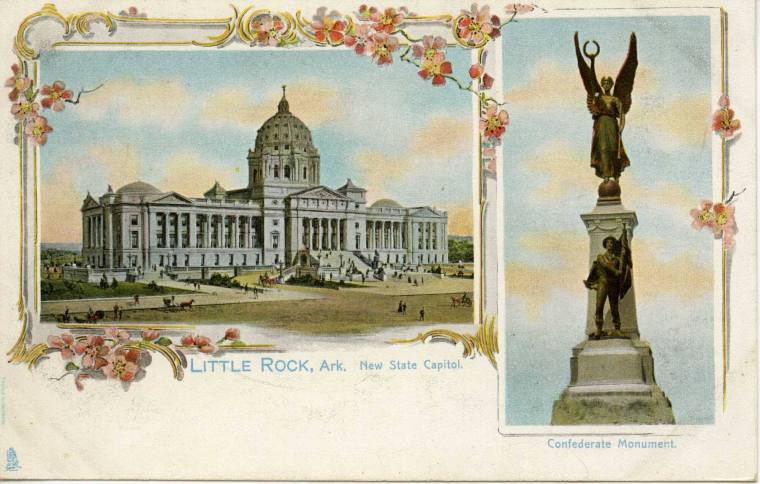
{"x": 461, "y": 250}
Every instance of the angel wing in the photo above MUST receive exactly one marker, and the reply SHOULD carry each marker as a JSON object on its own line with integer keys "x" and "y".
{"x": 624, "y": 81}
{"x": 588, "y": 75}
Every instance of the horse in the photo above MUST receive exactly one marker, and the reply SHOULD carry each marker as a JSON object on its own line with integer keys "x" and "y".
{"x": 267, "y": 281}
{"x": 92, "y": 317}
{"x": 187, "y": 304}
{"x": 455, "y": 301}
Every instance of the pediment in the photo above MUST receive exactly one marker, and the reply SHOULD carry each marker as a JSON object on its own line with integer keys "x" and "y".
{"x": 172, "y": 198}
{"x": 425, "y": 212}
{"x": 89, "y": 203}
{"x": 319, "y": 193}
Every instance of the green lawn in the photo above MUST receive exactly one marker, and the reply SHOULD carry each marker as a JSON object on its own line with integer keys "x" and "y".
{"x": 339, "y": 312}
{"x": 56, "y": 289}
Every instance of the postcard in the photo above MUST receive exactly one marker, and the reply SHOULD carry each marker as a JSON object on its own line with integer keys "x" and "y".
{"x": 421, "y": 241}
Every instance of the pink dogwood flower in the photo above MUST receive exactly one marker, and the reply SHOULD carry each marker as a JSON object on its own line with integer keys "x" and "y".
{"x": 328, "y": 27}
{"x": 493, "y": 123}
{"x": 55, "y": 96}
{"x": 117, "y": 335}
{"x": 723, "y": 122}
{"x": 477, "y": 26}
{"x": 518, "y": 8}
{"x": 123, "y": 364}
{"x": 133, "y": 12}
{"x": 64, "y": 342}
{"x": 478, "y": 71}
{"x": 78, "y": 380}
{"x": 268, "y": 30}
{"x": 150, "y": 334}
{"x": 365, "y": 12}
{"x": 703, "y": 216}
{"x": 232, "y": 334}
{"x": 187, "y": 340}
{"x": 209, "y": 348}
{"x": 429, "y": 47}
{"x": 382, "y": 47}
{"x": 37, "y": 130}
{"x": 436, "y": 67}
{"x": 725, "y": 223}
{"x": 204, "y": 345}
{"x": 18, "y": 81}
{"x": 359, "y": 39}
{"x": 93, "y": 351}
{"x": 24, "y": 109}
{"x": 387, "y": 20}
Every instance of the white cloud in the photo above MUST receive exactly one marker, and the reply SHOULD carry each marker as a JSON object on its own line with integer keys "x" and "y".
{"x": 313, "y": 101}
{"x": 164, "y": 103}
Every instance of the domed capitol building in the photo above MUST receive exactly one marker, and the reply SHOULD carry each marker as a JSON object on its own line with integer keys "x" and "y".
{"x": 284, "y": 218}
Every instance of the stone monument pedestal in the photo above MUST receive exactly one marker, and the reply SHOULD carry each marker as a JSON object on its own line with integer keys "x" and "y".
{"x": 612, "y": 382}
{"x": 611, "y": 379}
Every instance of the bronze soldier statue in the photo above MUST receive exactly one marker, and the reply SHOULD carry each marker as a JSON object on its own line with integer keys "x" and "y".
{"x": 611, "y": 277}
{"x": 608, "y": 108}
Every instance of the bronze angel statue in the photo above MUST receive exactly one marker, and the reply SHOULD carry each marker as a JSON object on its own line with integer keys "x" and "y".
{"x": 608, "y": 156}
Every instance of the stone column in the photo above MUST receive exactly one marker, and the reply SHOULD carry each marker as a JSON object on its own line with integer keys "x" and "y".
{"x": 108, "y": 246}
{"x": 192, "y": 230}
{"x": 343, "y": 224}
{"x": 446, "y": 242}
{"x": 219, "y": 230}
{"x": 319, "y": 233}
{"x": 234, "y": 236}
{"x": 207, "y": 230}
{"x": 329, "y": 234}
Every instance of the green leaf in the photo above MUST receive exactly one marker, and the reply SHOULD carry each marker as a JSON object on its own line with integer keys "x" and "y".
{"x": 237, "y": 342}
{"x": 163, "y": 341}
{"x": 71, "y": 366}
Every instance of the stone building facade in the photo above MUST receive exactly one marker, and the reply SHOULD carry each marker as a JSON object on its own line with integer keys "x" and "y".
{"x": 283, "y": 212}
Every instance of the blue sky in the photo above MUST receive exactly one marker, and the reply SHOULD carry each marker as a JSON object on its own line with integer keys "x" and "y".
{"x": 548, "y": 183}
{"x": 182, "y": 119}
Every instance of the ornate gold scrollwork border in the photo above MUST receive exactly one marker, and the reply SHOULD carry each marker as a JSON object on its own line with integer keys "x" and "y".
{"x": 236, "y": 26}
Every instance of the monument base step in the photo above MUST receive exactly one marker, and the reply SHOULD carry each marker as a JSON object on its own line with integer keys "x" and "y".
{"x": 612, "y": 382}
{"x": 613, "y": 405}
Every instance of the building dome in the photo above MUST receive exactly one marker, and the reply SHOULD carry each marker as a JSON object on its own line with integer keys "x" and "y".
{"x": 284, "y": 133}
{"x": 138, "y": 188}
{"x": 386, "y": 203}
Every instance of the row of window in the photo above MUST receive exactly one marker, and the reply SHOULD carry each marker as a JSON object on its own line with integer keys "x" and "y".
{"x": 286, "y": 173}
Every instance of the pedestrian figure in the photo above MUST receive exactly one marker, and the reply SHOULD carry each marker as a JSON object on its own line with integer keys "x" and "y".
{"x": 403, "y": 309}
{"x": 409, "y": 279}
{"x": 172, "y": 300}
{"x": 115, "y": 312}
{"x": 422, "y": 314}
{"x": 137, "y": 299}
{"x": 415, "y": 282}
{"x": 401, "y": 306}
{"x": 422, "y": 280}
{"x": 121, "y": 311}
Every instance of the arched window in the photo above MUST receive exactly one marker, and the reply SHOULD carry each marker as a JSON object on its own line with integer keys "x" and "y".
{"x": 276, "y": 171}
{"x": 287, "y": 172}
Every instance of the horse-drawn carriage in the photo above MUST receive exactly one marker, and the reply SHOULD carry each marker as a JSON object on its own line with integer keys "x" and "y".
{"x": 170, "y": 306}
{"x": 90, "y": 317}
{"x": 464, "y": 300}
